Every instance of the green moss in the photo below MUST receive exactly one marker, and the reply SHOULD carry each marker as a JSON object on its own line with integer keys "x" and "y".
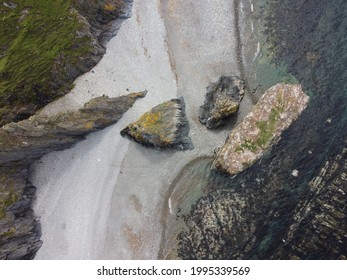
{"x": 267, "y": 129}
{"x": 2, "y": 112}
{"x": 6, "y": 200}
{"x": 154, "y": 122}
{"x": 2, "y": 212}
{"x": 37, "y": 40}
{"x": 8, "y": 234}
{"x": 11, "y": 198}
{"x": 247, "y": 145}
{"x": 239, "y": 149}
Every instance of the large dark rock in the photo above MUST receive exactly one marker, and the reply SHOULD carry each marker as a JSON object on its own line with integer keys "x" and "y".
{"x": 218, "y": 228}
{"x": 164, "y": 126}
{"x": 27, "y": 140}
{"x": 222, "y": 101}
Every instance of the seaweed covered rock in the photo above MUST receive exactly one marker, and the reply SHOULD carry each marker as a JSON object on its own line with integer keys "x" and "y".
{"x": 164, "y": 126}
{"x": 276, "y": 110}
{"x": 222, "y": 101}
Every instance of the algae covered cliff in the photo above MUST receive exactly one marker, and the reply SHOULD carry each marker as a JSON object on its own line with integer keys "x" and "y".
{"x": 45, "y": 45}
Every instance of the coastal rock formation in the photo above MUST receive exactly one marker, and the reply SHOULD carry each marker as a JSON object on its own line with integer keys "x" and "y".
{"x": 222, "y": 101}
{"x": 101, "y": 16}
{"x": 19, "y": 229}
{"x": 234, "y": 223}
{"x": 164, "y": 126}
{"x": 320, "y": 218}
{"x": 31, "y": 138}
{"x": 276, "y": 110}
{"x": 296, "y": 194}
{"x": 27, "y": 140}
{"x": 44, "y": 48}
{"x": 218, "y": 228}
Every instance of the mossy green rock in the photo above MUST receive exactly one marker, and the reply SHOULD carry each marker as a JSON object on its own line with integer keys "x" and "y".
{"x": 276, "y": 110}
{"x": 164, "y": 126}
{"x": 44, "y": 46}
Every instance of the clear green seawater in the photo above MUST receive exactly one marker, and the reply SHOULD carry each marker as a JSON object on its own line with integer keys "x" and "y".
{"x": 302, "y": 41}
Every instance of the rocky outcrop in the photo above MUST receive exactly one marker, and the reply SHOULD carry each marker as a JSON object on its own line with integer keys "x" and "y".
{"x": 71, "y": 41}
{"x": 102, "y": 16}
{"x": 295, "y": 195}
{"x": 217, "y": 228}
{"x": 30, "y": 139}
{"x": 164, "y": 126}
{"x": 237, "y": 223}
{"x": 19, "y": 228}
{"x": 220, "y": 226}
{"x": 319, "y": 223}
{"x": 275, "y": 112}
{"x": 27, "y": 140}
{"x": 222, "y": 101}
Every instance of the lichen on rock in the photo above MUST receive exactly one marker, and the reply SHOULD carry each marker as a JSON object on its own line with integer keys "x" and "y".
{"x": 164, "y": 126}
{"x": 222, "y": 101}
{"x": 276, "y": 110}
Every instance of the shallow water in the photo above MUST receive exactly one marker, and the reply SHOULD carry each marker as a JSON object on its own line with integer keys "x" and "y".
{"x": 303, "y": 41}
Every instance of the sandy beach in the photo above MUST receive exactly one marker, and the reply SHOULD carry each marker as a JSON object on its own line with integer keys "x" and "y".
{"x": 103, "y": 198}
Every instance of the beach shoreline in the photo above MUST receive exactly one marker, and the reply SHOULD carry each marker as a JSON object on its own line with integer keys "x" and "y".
{"x": 103, "y": 198}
